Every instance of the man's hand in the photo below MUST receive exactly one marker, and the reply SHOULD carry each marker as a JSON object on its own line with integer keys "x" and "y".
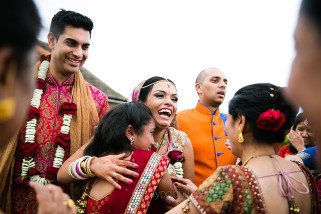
{"x": 52, "y": 200}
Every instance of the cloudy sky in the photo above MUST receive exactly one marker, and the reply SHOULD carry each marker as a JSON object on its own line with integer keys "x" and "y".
{"x": 250, "y": 40}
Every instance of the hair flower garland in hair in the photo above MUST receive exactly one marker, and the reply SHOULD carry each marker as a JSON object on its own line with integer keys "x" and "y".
{"x": 270, "y": 120}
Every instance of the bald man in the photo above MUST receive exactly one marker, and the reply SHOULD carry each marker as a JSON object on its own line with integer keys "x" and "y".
{"x": 204, "y": 125}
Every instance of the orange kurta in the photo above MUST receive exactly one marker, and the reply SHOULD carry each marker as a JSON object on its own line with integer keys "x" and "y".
{"x": 206, "y": 131}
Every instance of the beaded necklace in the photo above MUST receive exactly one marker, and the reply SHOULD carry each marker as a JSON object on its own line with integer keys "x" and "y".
{"x": 28, "y": 149}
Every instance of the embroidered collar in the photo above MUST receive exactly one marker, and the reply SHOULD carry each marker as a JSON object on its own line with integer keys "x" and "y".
{"x": 203, "y": 109}
{"x": 52, "y": 80}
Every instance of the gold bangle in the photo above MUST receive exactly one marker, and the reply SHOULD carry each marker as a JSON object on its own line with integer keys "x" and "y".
{"x": 83, "y": 166}
{"x": 88, "y": 170}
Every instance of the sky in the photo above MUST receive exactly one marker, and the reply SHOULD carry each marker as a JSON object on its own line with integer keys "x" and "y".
{"x": 251, "y": 41}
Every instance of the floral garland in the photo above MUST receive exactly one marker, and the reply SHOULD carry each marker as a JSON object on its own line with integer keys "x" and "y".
{"x": 175, "y": 156}
{"x": 28, "y": 149}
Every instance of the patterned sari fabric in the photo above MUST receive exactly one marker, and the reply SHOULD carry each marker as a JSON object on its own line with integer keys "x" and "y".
{"x": 48, "y": 128}
{"x": 135, "y": 197}
{"x": 235, "y": 189}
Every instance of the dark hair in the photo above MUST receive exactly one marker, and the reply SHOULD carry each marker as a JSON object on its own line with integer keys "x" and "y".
{"x": 149, "y": 82}
{"x": 252, "y": 100}
{"x": 20, "y": 24}
{"x": 65, "y": 18}
{"x": 110, "y": 137}
{"x": 299, "y": 118}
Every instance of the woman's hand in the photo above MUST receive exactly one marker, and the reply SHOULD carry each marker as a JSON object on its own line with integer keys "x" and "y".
{"x": 296, "y": 140}
{"x": 173, "y": 202}
{"x": 52, "y": 200}
{"x": 112, "y": 168}
{"x": 185, "y": 186}
{"x": 228, "y": 144}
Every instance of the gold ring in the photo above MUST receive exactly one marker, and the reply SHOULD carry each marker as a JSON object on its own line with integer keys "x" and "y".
{"x": 69, "y": 203}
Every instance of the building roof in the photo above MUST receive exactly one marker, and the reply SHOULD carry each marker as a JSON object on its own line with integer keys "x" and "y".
{"x": 114, "y": 96}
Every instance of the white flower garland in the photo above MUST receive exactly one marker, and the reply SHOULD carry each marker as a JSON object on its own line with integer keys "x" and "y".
{"x": 178, "y": 167}
{"x": 29, "y": 162}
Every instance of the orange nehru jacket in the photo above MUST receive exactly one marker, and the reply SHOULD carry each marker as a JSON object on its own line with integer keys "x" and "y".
{"x": 206, "y": 131}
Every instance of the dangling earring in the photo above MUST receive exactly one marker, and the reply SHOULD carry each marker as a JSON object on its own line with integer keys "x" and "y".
{"x": 131, "y": 139}
{"x": 240, "y": 138}
{"x": 8, "y": 104}
{"x": 7, "y": 107}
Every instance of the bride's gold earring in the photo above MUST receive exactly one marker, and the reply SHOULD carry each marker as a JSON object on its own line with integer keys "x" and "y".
{"x": 240, "y": 138}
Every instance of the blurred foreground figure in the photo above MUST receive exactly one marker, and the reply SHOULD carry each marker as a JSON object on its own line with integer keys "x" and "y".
{"x": 305, "y": 78}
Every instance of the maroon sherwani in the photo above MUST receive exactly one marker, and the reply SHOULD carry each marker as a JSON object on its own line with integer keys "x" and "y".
{"x": 48, "y": 127}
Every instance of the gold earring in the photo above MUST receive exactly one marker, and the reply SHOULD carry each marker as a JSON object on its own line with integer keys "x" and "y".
{"x": 240, "y": 138}
{"x": 131, "y": 139}
{"x": 7, "y": 107}
{"x": 8, "y": 104}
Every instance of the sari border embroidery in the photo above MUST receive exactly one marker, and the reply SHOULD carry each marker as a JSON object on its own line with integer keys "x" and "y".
{"x": 143, "y": 183}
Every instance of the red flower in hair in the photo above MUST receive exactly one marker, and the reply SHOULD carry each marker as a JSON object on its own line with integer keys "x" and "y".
{"x": 270, "y": 120}
{"x": 28, "y": 149}
{"x": 68, "y": 108}
{"x": 41, "y": 84}
{"x": 51, "y": 173}
{"x": 33, "y": 113}
{"x": 63, "y": 140}
{"x": 175, "y": 156}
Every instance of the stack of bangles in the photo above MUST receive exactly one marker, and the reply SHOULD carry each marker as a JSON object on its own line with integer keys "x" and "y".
{"x": 80, "y": 168}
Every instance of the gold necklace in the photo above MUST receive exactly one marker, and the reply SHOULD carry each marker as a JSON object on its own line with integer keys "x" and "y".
{"x": 256, "y": 156}
{"x": 160, "y": 144}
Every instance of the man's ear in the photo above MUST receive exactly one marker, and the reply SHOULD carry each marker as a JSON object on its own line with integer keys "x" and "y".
{"x": 199, "y": 88}
{"x": 5, "y": 59}
{"x": 52, "y": 40}
{"x": 129, "y": 131}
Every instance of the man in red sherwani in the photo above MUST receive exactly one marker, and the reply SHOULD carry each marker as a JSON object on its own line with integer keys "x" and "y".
{"x": 64, "y": 110}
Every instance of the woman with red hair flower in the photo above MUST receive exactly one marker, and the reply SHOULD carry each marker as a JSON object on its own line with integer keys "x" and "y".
{"x": 258, "y": 118}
